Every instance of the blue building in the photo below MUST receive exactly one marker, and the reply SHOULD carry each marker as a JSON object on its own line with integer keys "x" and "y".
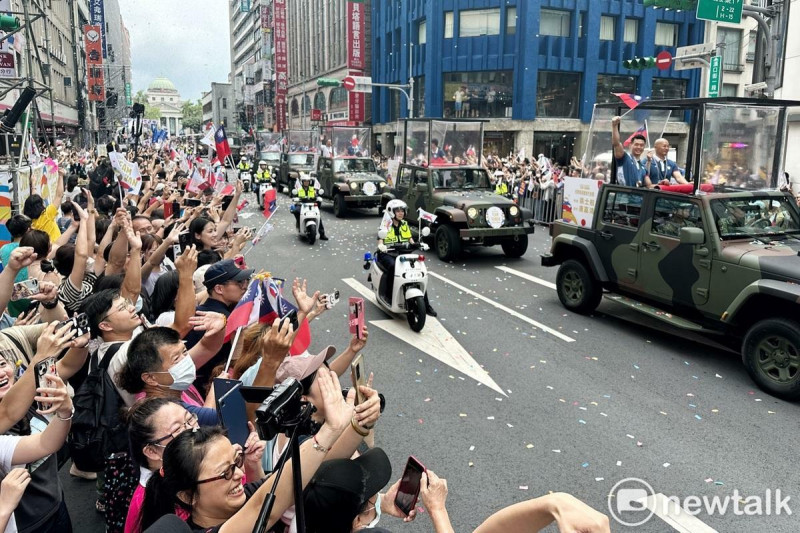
{"x": 535, "y": 68}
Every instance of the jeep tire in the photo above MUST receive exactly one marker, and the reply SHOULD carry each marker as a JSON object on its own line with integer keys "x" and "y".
{"x": 516, "y": 246}
{"x": 771, "y": 355}
{"x": 339, "y": 205}
{"x": 448, "y": 243}
{"x": 577, "y": 288}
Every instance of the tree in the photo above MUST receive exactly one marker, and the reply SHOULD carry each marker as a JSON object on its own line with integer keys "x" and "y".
{"x": 150, "y": 112}
{"x": 192, "y": 115}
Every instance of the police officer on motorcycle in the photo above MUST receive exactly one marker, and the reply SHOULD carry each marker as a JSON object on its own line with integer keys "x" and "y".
{"x": 308, "y": 192}
{"x": 262, "y": 174}
{"x": 244, "y": 165}
{"x": 398, "y": 232}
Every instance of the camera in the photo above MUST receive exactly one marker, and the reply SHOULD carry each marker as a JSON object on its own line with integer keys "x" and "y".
{"x": 281, "y": 410}
{"x": 332, "y": 299}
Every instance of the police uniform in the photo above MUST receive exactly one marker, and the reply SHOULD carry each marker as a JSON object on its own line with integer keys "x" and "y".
{"x": 501, "y": 189}
{"x": 397, "y": 233}
{"x": 308, "y": 193}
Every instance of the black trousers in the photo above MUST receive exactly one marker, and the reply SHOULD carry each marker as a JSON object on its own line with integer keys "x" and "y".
{"x": 297, "y": 221}
{"x": 387, "y": 261}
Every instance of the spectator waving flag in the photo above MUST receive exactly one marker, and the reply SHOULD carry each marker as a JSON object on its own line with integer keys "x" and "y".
{"x": 270, "y": 202}
{"x": 641, "y": 131}
{"x": 630, "y": 100}
{"x": 275, "y": 297}
{"x": 248, "y": 310}
{"x": 221, "y": 143}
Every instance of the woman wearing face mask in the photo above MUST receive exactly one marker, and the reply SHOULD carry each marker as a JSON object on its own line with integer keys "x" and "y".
{"x": 159, "y": 366}
{"x": 152, "y": 424}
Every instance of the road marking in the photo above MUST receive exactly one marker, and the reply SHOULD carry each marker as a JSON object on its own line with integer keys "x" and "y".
{"x": 671, "y": 513}
{"x": 434, "y": 340}
{"x": 546, "y": 329}
{"x": 523, "y": 275}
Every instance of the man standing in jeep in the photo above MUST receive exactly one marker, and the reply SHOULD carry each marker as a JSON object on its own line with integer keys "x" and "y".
{"x": 631, "y": 170}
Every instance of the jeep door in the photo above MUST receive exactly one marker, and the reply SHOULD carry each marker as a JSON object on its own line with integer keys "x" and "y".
{"x": 674, "y": 273}
{"x": 617, "y": 235}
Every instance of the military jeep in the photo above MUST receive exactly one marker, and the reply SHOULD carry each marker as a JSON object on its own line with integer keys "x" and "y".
{"x": 720, "y": 263}
{"x": 467, "y": 212}
{"x": 292, "y": 164}
{"x": 350, "y": 182}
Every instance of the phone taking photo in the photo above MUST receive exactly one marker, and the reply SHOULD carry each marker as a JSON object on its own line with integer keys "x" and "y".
{"x": 358, "y": 375}
{"x": 356, "y": 306}
{"x": 408, "y": 491}
{"x": 233, "y": 415}
{"x": 79, "y": 324}
{"x": 25, "y": 289}
{"x": 292, "y": 317}
{"x": 40, "y": 370}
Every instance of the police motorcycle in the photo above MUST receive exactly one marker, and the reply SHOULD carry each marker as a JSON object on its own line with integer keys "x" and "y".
{"x": 410, "y": 281}
{"x": 246, "y": 175}
{"x": 263, "y": 185}
{"x": 309, "y": 213}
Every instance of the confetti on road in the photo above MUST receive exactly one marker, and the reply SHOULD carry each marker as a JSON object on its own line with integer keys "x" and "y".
{"x": 523, "y": 487}
{"x": 472, "y": 448}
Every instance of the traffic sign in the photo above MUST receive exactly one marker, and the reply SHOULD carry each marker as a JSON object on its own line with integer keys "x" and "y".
{"x": 358, "y": 84}
{"x": 349, "y": 83}
{"x": 720, "y": 10}
{"x": 663, "y": 60}
{"x": 316, "y": 114}
{"x": 714, "y": 77}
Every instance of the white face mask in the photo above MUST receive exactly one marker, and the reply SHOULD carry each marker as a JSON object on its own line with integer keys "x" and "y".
{"x": 183, "y": 374}
{"x": 377, "y": 512}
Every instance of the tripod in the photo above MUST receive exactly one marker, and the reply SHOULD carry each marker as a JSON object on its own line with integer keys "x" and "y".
{"x": 291, "y": 427}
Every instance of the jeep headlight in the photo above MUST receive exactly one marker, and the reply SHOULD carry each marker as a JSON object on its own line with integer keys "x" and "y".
{"x": 514, "y": 211}
{"x": 354, "y": 186}
{"x": 382, "y": 184}
{"x": 472, "y": 212}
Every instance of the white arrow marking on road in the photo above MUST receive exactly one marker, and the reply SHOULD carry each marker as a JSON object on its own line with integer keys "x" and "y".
{"x": 671, "y": 513}
{"x": 434, "y": 340}
{"x": 523, "y": 275}
{"x": 511, "y": 312}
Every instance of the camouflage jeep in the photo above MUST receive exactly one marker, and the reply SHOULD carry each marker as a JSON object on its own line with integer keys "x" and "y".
{"x": 720, "y": 263}
{"x": 350, "y": 182}
{"x": 467, "y": 211}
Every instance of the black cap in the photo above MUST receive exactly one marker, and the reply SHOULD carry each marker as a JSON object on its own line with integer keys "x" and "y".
{"x": 340, "y": 488}
{"x": 223, "y": 271}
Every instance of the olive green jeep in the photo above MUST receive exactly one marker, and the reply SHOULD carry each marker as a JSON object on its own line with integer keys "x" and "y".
{"x": 350, "y": 182}
{"x": 724, "y": 263}
{"x": 466, "y": 210}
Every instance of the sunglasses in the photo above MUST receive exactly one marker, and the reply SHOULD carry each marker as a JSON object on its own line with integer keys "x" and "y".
{"x": 229, "y": 472}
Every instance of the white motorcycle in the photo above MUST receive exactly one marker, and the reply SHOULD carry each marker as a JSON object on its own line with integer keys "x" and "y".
{"x": 410, "y": 281}
{"x": 309, "y": 216}
{"x": 247, "y": 179}
{"x": 263, "y": 187}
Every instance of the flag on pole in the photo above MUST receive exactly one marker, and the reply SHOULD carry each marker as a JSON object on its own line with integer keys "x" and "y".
{"x": 221, "y": 143}
{"x": 424, "y": 215}
{"x": 208, "y": 138}
{"x": 641, "y": 131}
{"x": 34, "y": 157}
{"x": 275, "y": 296}
{"x": 262, "y": 232}
{"x": 630, "y": 100}
{"x": 270, "y": 202}
{"x": 129, "y": 176}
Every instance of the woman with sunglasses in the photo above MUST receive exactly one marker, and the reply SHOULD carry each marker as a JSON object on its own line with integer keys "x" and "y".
{"x": 202, "y": 473}
{"x": 152, "y": 424}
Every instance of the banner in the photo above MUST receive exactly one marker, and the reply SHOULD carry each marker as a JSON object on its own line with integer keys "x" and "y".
{"x": 129, "y": 176}
{"x": 266, "y": 18}
{"x": 356, "y": 102}
{"x": 355, "y": 35}
{"x": 94, "y": 63}
{"x": 7, "y": 67}
{"x": 281, "y": 63}
{"x": 97, "y": 17}
{"x": 580, "y": 196}
{"x": 6, "y": 195}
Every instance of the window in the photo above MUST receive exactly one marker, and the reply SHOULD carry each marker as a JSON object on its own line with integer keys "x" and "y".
{"x": 295, "y": 108}
{"x": 607, "y": 28}
{"x": 751, "y": 45}
{"x": 338, "y": 98}
{"x": 511, "y": 21}
{"x": 224, "y": 103}
{"x": 631, "y": 31}
{"x": 448, "y": 25}
{"x": 607, "y": 85}
{"x": 319, "y": 101}
{"x": 477, "y": 94}
{"x": 732, "y": 39}
{"x": 474, "y": 22}
{"x": 623, "y": 209}
{"x": 405, "y": 178}
{"x": 422, "y": 32}
{"x": 555, "y": 23}
{"x": 729, "y": 89}
{"x": 666, "y": 34}
{"x": 306, "y": 104}
{"x": 671, "y": 215}
{"x": 668, "y": 88}
{"x": 558, "y": 94}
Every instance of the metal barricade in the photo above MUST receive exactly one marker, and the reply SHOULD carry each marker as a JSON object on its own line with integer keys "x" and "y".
{"x": 545, "y": 205}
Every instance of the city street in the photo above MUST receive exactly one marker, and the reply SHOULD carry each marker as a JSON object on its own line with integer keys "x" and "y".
{"x": 508, "y": 396}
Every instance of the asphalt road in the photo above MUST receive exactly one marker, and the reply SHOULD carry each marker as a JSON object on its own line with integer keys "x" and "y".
{"x": 627, "y": 398}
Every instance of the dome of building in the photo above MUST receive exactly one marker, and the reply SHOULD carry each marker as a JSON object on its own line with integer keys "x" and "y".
{"x": 162, "y": 84}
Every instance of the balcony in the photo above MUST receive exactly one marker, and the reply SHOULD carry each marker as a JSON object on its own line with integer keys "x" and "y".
{"x": 733, "y": 67}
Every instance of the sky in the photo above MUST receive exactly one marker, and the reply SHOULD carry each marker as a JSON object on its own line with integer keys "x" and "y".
{"x": 186, "y": 41}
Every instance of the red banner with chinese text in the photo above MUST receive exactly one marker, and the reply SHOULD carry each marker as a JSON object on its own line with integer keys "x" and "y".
{"x": 281, "y": 62}
{"x": 355, "y": 35}
{"x": 92, "y": 39}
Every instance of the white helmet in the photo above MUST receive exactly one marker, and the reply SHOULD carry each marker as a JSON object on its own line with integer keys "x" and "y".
{"x": 304, "y": 176}
{"x": 394, "y": 205}
{"x": 262, "y": 162}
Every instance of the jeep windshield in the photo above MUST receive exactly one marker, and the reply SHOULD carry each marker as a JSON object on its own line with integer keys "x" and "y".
{"x": 463, "y": 178}
{"x": 353, "y": 165}
{"x": 301, "y": 160}
{"x": 272, "y": 158}
{"x": 755, "y": 217}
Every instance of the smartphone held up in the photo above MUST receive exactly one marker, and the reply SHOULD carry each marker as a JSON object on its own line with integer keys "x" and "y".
{"x": 408, "y": 491}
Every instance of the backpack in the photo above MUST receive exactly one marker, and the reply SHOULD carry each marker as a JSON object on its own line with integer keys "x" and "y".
{"x": 97, "y": 427}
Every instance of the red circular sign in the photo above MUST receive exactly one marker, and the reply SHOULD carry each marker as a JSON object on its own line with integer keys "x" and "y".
{"x": 349, "y": 83}
{"x": 664, "y": 60}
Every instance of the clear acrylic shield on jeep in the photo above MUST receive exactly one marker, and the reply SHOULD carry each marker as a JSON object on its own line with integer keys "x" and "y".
{"x": 455, "y": 143}
{"x": 738, "y": 146}
{"x": 303, "y": 141}
{"x": 349, "y": 142}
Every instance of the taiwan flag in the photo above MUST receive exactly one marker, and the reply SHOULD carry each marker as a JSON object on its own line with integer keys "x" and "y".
{"x": 641, "y": 131}
{"x": 221, "y": 142}
{"x": 270, "y": 202}
{"x": 277, "y": 302}
{"x": 630, "y": 100}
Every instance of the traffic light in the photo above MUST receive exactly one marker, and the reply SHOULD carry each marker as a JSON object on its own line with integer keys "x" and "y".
{"x": 680, "y": 5}
{"x": 639, "y": 63}
{"x": 328, "y": 82}
{"x": 9, "y": 23}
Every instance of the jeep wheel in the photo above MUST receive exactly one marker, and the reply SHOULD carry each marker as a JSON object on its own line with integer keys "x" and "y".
{"x": 448, "y": 243}
{"x": 771, "y": 355}
{"x": 577, "y": 289}
{"x": 339, "y": 205}
{"x": 515, "y": 247}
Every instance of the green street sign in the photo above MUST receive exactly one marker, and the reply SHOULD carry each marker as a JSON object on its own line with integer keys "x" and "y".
{"x": 720, "y": 10}
{"x": 713, "y": 77}
{"x": 128, "y": 98}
